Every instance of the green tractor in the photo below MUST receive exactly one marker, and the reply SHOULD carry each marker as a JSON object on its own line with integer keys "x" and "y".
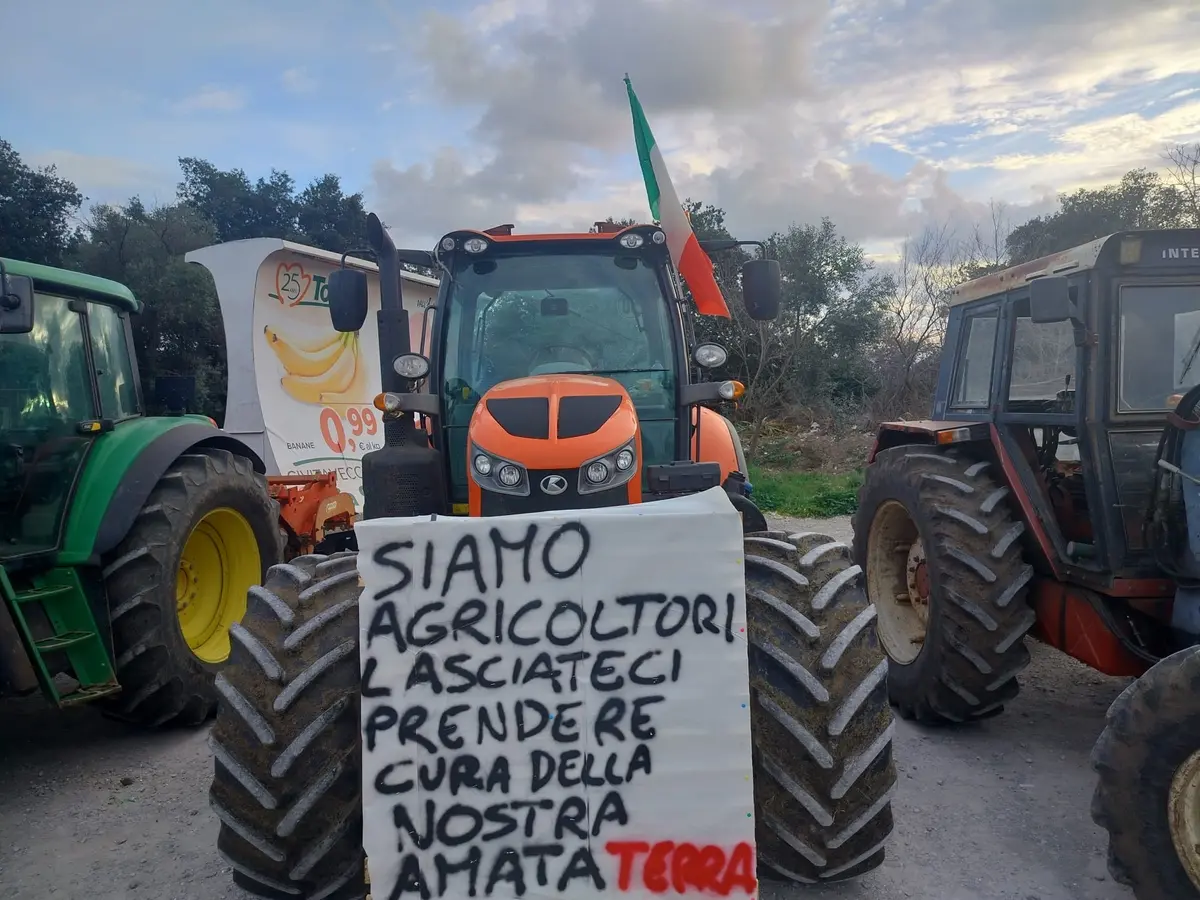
{"x": 127, "y": 542}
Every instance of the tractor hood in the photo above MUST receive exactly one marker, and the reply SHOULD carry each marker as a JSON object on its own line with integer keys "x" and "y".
{"x": 554, "y": 421}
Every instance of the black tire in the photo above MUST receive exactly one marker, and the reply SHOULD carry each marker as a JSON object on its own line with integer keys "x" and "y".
{"x": 1151, "y": 730}
{"x": 978, "y": 612}
{"x": 162, "y": 681}
{"x": 821, "y": 726}
{"x": 288, "y": 756}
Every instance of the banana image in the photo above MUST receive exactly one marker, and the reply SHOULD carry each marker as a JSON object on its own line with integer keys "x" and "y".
{"x": 313, "y": 345}
{"x": 356, "y": 394}
{"x": 336, "y": 379}
{"x": 307, "y": 360}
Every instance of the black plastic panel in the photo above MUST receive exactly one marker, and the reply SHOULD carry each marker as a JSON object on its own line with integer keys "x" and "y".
{"x": 523, "y": 417}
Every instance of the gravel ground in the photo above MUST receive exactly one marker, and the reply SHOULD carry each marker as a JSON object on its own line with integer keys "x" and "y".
{"x": 993, "y": 811}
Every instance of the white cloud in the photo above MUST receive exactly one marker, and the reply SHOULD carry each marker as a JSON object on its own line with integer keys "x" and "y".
{"x": 212, "y": 98}
{"x": 298, "y": 81}
{"x": 770, "y": 108}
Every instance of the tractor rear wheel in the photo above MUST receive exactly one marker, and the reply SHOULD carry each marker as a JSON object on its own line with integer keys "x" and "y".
{"x": 945, "y": 569}
{"x": 1148, "y": 794}
{"x": 822, "y": 730}
{"x": 287, "y": 785}
{"x": 178, "y": 581}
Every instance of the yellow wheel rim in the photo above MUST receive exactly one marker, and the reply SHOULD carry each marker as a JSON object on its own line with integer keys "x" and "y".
{"x": 219, "y": 564}
{"x": 1184, "y": 815}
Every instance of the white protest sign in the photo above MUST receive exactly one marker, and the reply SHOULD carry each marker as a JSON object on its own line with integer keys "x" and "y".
{"x": 557, "y": 704}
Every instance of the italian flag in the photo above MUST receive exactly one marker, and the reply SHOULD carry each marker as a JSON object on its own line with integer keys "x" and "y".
{"x": 689, "y": 259}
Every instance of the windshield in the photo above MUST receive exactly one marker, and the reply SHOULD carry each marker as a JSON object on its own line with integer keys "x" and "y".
{"x": 45, "y": 392}
{"x": 517, "y": 316}
{"x": 1154, "y": 319}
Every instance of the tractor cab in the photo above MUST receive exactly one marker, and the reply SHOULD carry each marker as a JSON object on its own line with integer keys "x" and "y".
{"x": 1077, "y": 360}
{"x": 564, "y": 371}
{"x": 67, "y": 374}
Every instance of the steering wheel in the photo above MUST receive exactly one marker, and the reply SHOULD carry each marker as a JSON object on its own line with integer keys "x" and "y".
{"x": 561, "y": 354}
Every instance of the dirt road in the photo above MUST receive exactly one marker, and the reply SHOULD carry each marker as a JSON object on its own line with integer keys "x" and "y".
{"x": 995, "y": 811}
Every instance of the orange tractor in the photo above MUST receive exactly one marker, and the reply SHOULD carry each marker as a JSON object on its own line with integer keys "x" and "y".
{"x": 564, "y": 374}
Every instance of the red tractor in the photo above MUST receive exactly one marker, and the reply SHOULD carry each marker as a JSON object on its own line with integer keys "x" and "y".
{"x": 1055, "y": 493}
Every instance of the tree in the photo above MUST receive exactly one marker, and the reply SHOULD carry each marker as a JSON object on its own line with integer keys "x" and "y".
{"x": 1184, "y": 171}
{"x": 179, "y": 331}
{"x": 1140, "y": 200}
{"x": 36, "y": 208}
{"x": 321, "y": 215}
{"x": 831, "y": 309}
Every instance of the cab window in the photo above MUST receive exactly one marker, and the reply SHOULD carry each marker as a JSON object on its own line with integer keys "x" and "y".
{"x": 972, "y": 386}
{"x": 112, "y": 359}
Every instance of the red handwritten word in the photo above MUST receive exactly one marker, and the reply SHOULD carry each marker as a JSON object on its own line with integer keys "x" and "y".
{"x": 686, "y": 866}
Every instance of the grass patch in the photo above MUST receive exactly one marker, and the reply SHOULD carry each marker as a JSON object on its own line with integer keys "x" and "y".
{"x": 807, "y": 495}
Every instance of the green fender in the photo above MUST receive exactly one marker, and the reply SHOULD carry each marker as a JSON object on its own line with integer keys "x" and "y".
{"x": 121, "y": 470}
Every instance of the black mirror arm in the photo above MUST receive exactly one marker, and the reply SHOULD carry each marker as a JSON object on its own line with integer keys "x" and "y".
{"x": 722, "y": 245}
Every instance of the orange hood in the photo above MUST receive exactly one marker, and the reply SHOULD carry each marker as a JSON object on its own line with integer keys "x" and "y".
{"x": 554, "y": 421}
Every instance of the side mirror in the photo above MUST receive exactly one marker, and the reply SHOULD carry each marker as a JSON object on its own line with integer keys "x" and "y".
{"x": 347, "y": 299}
{"x": 1050, "y": 299}
{"x": 761, "y": 289}
{"x": 16, "y": 303}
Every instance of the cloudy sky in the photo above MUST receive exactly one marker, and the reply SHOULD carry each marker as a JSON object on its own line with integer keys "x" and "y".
{"x": 881, "y": 114}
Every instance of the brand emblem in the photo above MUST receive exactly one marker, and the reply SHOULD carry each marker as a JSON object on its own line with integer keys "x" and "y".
{"x": 554, "y": 485}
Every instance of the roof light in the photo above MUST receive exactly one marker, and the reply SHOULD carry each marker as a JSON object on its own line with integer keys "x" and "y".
{"x": 632, "y": 241}
{"x": 658, "y": 237}
{"x": 475, "y": 245}
{"x": 448, "y": 243}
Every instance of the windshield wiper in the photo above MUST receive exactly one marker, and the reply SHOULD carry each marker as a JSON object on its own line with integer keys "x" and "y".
{"x": 1190, "y": 358}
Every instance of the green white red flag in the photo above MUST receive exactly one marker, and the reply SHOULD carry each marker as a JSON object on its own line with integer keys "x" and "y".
{"x": 690, "y": 260}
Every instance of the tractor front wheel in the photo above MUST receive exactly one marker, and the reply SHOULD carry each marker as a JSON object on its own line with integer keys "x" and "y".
{"x": 945, "y": 569}
{"x": 178, "y": 582}
{"x": 819, "y": 718}
{"x": 1148, "y": 794}
{"x": 287, "y": 786}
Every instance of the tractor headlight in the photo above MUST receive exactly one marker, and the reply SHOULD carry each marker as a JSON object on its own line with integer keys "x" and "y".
{"x": 495, "y": 473}
{"x": 412, "y": 366}
{"x": 475, "y": 245}
{"x": 632, "y": 241}
{"x": 611, "y": 470}
{"x": 709, "y": 356}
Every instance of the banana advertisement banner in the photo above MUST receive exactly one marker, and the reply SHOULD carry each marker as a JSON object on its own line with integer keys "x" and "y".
{"x": 316, "y": 385}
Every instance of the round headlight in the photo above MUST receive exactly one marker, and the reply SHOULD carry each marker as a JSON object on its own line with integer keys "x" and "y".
{"x": 447, "y": 243}
{"x": 624, "y": 459}
{"x": 632, "y": 241}
{"x": 596, "y": 473}
{"x": 483, "y": 465}
{"x": 658, "y": 237}
{"x": 709, "y": 356}
{"x": 411, "y": 365}
{"x": 475, "y": 245}
{"x": 509, "y": 475}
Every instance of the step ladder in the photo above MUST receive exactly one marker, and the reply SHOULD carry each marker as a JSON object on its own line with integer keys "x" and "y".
{"x": 60, "y": 594}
